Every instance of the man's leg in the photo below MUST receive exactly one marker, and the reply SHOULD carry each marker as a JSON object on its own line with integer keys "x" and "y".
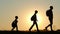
{"x": 37, "y": 27}
{"x": 51, "y": 28}
{"x": 47, "y": 26}
{"x": 51, "y": 21}
{"x": 31, "y": 27}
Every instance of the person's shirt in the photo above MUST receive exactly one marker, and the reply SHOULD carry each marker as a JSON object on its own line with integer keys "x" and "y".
{"x": 50, "y": 13}
{"x": 35, "y": 17}
{"x": 16, "y": 21}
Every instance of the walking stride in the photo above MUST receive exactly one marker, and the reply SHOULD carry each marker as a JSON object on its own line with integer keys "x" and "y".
{"x": 34, "y": 19}
{"x": 14, "y": 24}
{"x": 49, "y": 14}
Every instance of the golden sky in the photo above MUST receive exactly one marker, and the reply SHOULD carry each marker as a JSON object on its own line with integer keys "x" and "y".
{"x": 24, "y": 9}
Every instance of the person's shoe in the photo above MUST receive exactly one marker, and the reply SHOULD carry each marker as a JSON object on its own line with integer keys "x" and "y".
{"x": 16, "y": 30}
{"x": 52, "y": 30}
{"x": 38, "y": 30}
{"x": 46, "y": 28}
{"x": 30, "y": 30}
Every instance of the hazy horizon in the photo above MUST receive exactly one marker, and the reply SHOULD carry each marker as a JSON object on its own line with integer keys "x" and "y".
{"x": 24, "y": 9}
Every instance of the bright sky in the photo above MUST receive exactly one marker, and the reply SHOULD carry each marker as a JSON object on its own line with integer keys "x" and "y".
{"x": 24, "y": 9}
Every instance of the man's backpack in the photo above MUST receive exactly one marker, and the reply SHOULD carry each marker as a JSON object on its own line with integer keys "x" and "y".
{"x": 47, "y": 13}
{"x": 32, "y": 18}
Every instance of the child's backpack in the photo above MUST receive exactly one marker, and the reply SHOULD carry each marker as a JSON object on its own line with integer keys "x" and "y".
{"x": 13, "y": 24}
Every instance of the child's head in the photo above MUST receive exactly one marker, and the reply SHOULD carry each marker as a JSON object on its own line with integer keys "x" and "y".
{"x": 36, "y": 11}
{"x": 16, "y": 17}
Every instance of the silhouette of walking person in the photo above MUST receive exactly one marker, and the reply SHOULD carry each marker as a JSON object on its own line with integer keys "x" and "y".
{"x": 49, "y": 14}
{"x": 34, "y": 19}
{"x": 14, "y": 24}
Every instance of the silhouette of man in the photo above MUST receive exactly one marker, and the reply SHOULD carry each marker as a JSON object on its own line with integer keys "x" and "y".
{"x": 34, "y": 19}
{"x": 14, "y": 23}
{"x": 49, "y": 14}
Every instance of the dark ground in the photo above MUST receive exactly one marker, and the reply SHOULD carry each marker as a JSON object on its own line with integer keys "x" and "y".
{"x": 29, "y": 32}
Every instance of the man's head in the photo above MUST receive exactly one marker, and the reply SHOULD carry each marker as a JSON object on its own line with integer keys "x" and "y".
{"x": 36, "y": 11}
{"x": 16, "y": 17}
{"x": 51, "y": 7}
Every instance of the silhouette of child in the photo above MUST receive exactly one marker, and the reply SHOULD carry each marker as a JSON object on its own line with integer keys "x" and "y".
{"x": 14, "y": 23}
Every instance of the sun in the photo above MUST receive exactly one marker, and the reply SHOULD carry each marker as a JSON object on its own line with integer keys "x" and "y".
{"x": 26, "y": 22}
{"x": 29, "y": 22}
{"x": 39, "y": 18}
